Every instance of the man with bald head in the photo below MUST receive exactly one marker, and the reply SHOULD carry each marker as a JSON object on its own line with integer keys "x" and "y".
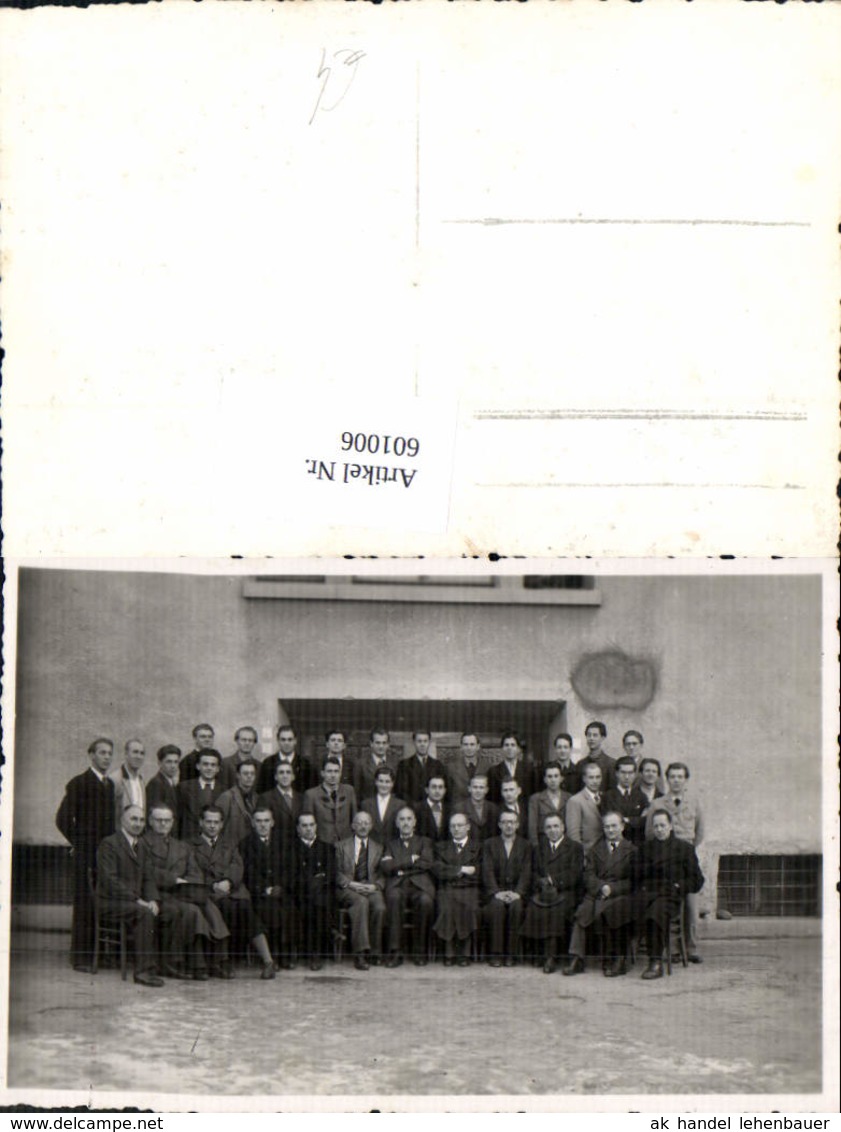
{"x": 360, "y": 884}
{"x": 407, "y": 867}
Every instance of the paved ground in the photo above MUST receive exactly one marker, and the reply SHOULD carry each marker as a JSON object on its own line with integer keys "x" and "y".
{"x": 747, "y": 1021}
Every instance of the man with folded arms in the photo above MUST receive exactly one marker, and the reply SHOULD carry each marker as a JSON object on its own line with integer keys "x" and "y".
{"x": 506, "y": 880}
{"x": 457, "y": 869}
{"x": 360, "y": 886}
{"x": 220, "y": 866}
{"x": 556, "y": 891}
{"x": 607, "y": 906}
{"x": 407, "y": 867}
{"x": 179, "y": 883}
{"x": 627, "y": 799}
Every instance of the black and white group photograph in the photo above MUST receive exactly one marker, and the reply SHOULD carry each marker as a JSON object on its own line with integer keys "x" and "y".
{"x": 343, "y": 829}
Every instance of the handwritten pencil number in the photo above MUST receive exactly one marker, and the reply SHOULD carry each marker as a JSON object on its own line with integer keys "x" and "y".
{"x": 336, "y": 78}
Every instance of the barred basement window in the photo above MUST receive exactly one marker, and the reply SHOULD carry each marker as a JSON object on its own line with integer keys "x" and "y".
{"x": 751, "y": 885}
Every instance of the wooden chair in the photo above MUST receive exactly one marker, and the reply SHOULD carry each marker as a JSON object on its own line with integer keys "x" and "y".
{"x": 108, "y": 938}
{"x": 676, "y": 939}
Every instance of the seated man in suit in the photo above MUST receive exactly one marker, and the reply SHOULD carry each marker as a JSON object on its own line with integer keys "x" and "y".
{"x": 607, "y": 905}
{"x": 513, "y": 765}
{"x": 179, "y": 883}
{"x": 433, "y": 813}
{"x": 221, "y": 869}
{"x": 379, "y": 755}
{"x": 314, "y": 886}
{"x": 284, "y": 802}
{"x": 196, "y": 793}
{"x": 360, "y": 889}
{"x": 583, "y": 810}
{"x": 332, "y": 804}
{"x": 268, "y": 875}
{"x": 470, "y": 760}
{"x": 665, "y": 871}
{"x": 407, "y": 866}
{"x": 203, "y": 737}
{"x": 246, "y": 739}
{"x": 126, "y": 893}
{"x": 383, "y": 806}
{"x": 512, "y": 802}
{"x": 506, "y": 881}
{"x": 551, "y": 800}
{"x": 414, "y": 772}
{"x": 84, "y": 818}
{"x": 558, "y": 885}
{"x": 457, "y": 868}
{"x": 287, "y": 742}
{"x": 162, "y": 788}
{"x": 238, "y": 803}
{"x": 482, "y": 814}
{"x": 627, "y": 799}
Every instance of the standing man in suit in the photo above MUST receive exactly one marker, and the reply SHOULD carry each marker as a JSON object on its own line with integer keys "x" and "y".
{"x": 513, "y": 765}
{"x": 471, "y": 760}
{"x": 126, "y": 893}
{"x": 608, "y": 873}
{"x": 221, "y": 868}
{"x": 246, "y": 743}
{"x": 129, "y": 783}
{"x": 558, "y": 885}
{"x": 628, "y": 800}
{"x": 162, "y": 788}
{"x": 332, "y": 804}
{"x": 551, "y": 800}
{"x": 506, "y": 880}
{"x": 433, "y": 814}
{"x": 287, "y": 742}
{"x": 583, "y": 810}
{"x": 457, "y": 868}
{"x": 632, "y": 745}
{"x": 383, "y": 806}
{"x": 688, "y": 826}
{"x": 665, "y": 871}
{"x": 512, "y": 802}
{"x": 314, "y": 887}
{"x": 595, "y": 734}
{"x": 407, "y": 867}
{"x": 284, "y": 802}
{"x": 335, "y": 748}
{"x": 570, "y": 776}
{"x": 238, "y": 804}
{"x": 196, "y": 793}
{"x": 414, "y": 772}
{"x": 84, "y": 818}
{"x": 203, "y": 737}
{"x": 649, "y": 776}
{"x": 268, "y": 876}
{"x": 379, "y": 755}
{"x": 360, "y": 889}
{"x": 179, "y": 885}
{"x": 482, "y": 814}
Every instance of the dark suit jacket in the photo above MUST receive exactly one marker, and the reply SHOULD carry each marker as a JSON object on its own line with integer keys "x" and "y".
{"x": 266, "y": 866}
{"x": 332, "y": 818}
{"x": 426, "y": 826}
{"x": 541, "y": 808}
{"x": 122, "y": 877}
{"x": 667, "y": 868}
{"x": 504, "y": 874}
{"x": 193, "y": 799}
{"x": 161, "y": 792}
{"x": 86, "y": 815}
{"x": 315, "y": 764}
{"x": 412, "y": 777}
{"x": 314, "y": 875}
{"x": 401, "y": 872}
{"x": 489, "y": 824}
{"x": 285, "y": 816}
{"x": 220, "y": 862}
{"x": 631, "y": 807}
{"x": 615, "y": 869}
{"x": 302, "y": 781}
{"x": 188, "y": 767}
{"x": 364, "y": 770}
{"x": 237, "y": 815}
{"x": 228, "y": 772}
{"x": 606, "y": 763}
{"x": 524, "y": 776}
{"x": 448, "y": 863}
{"x": 383, "y": 831}
{"x": 458, "y": 775}
{"x": 169, "y": 860}
{"x": 564, "y": 868}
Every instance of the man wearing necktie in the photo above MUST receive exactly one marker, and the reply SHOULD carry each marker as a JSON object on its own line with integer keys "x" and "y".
{"x": 470, "y": 760}
{"x": 378, "y": 756}
{"x": 287, "y": 742}
{"x": 196, "y": 793}
{"x": 433, "y": 813}
{"x": 558, "y": 885}
{"x": 407, "y": 867}
{"x": 314, "y": 886}
{"x": 607, "y": 906}
{"x": 627, "y": 799}
{"x": 506, "y": 880}
{"x": 238, "y": 803}
{"x": 583, "y": 810}
{"x": 284, "y": 801}
{"x": 333, "y": 804}
{"x": 268, "y": 874}
{"x": 360, "y": 886}
{"x": 457, "y": 869}
{"x": 414, "y": 772}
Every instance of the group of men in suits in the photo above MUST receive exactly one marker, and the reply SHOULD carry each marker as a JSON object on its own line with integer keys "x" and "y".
{"x": 280, "y": 855}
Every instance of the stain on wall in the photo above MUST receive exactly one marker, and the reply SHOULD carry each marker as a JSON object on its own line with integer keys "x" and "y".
{"x": 612, "y": 679}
